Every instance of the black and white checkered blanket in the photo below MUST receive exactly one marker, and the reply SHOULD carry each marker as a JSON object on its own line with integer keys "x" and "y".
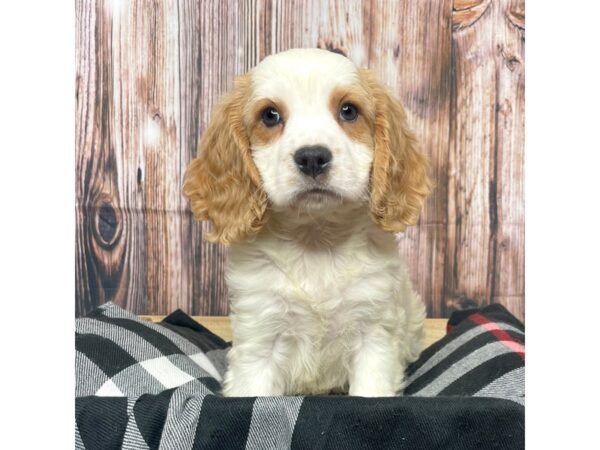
{"x": 141, "y": 385}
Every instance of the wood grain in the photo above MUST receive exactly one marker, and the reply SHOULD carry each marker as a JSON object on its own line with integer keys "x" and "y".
{"x": 149, "y": 74}
{"x": 485, "y": 254}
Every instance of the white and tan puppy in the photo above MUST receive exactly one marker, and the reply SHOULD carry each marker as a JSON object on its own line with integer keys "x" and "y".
{"x": 306, "y": 170}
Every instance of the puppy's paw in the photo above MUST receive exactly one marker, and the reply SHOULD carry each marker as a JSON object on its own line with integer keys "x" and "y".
{"x": 372, "y": 391}
{"x": 249, "y": 386}
{"x": 237, "y": 391}
{"x": 248, "y": 391}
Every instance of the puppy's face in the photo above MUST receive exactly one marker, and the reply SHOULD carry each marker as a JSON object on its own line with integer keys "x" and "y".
{"x": 305, "y": 130}
{"x": 311, "y": 130}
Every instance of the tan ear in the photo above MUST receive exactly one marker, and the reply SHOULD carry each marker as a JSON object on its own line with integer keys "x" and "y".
{"x": 222, "y": 183}
{"x": 399, "y": 180}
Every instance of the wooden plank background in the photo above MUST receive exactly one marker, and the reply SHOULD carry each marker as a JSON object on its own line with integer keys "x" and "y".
{"x": 150, "y": 72}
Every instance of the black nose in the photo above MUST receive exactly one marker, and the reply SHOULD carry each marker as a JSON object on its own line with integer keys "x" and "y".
{"x": 312, "y": 160}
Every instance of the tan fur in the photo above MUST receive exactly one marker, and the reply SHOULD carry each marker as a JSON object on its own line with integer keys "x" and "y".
{"x": 223, "y": 184}
{"x": 399, "y": 180}
{"x": 361, "y": 130}
{"x": 259, "y": 133}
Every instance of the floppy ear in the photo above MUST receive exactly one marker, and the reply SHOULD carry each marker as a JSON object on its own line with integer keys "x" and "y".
{"x": 223, "y": 184}
{"x": 399, "y": 180}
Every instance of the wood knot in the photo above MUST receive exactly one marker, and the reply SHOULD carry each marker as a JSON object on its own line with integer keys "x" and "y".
{"x": 466, "y": 12}
{"x": 107, "y": 223}
{"x": 517, "y": 18}
{"x": 511, "y": 61}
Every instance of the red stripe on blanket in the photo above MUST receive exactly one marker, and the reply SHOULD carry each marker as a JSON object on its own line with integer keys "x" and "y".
{"x": 500, "y": 334}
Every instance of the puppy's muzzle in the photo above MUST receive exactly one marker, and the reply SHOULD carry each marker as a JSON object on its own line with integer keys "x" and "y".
{"x": 313, "y": 160}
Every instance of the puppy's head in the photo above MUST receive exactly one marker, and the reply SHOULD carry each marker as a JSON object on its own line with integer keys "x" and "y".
{"x": 305, "y": 130}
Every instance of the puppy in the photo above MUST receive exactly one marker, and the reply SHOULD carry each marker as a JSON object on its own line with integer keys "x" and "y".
{"x": 306, "y": 170}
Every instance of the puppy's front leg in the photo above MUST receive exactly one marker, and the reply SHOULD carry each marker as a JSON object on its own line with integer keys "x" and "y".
{"x": 376, "y": 369}
{"x": 252, "y": 373}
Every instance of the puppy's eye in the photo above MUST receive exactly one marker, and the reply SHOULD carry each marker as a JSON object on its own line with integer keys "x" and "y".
{"x": 348, "y": 112}
{"x": 271, "y": 117}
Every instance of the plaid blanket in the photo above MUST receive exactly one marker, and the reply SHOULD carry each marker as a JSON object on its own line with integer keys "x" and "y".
{"x": 141, "y": 385}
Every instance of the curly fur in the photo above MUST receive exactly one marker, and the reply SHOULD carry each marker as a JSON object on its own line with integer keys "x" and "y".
{"x": 222, "y": 184}
{"x": 399, "y": 180}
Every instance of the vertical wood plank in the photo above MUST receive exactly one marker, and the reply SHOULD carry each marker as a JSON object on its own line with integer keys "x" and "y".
{"x": 146, "y": 147}
{"x": 507, "y": 271}
{"x": 219, "y": 58}
{"x": 127, "y": 149}
{"x": 84, "y": 115}
{"x": 191, "y": 106}
{"x": 103, "y": 227}
{"x": 484, "y": 196}
{"x": 471, "y": 156}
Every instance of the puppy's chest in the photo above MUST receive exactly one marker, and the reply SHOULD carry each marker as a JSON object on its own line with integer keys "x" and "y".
{"x": 320, "y": 279}
{"x": 332, "y": 284}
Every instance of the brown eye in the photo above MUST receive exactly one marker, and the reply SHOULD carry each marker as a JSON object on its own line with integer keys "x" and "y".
{"x": 348, "y": 112}
{"x": 270, "y": 117}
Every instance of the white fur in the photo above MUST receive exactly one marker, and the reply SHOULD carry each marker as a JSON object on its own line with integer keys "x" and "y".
{"x": 321, "y": 299}
{"x": 304, "y": 80}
